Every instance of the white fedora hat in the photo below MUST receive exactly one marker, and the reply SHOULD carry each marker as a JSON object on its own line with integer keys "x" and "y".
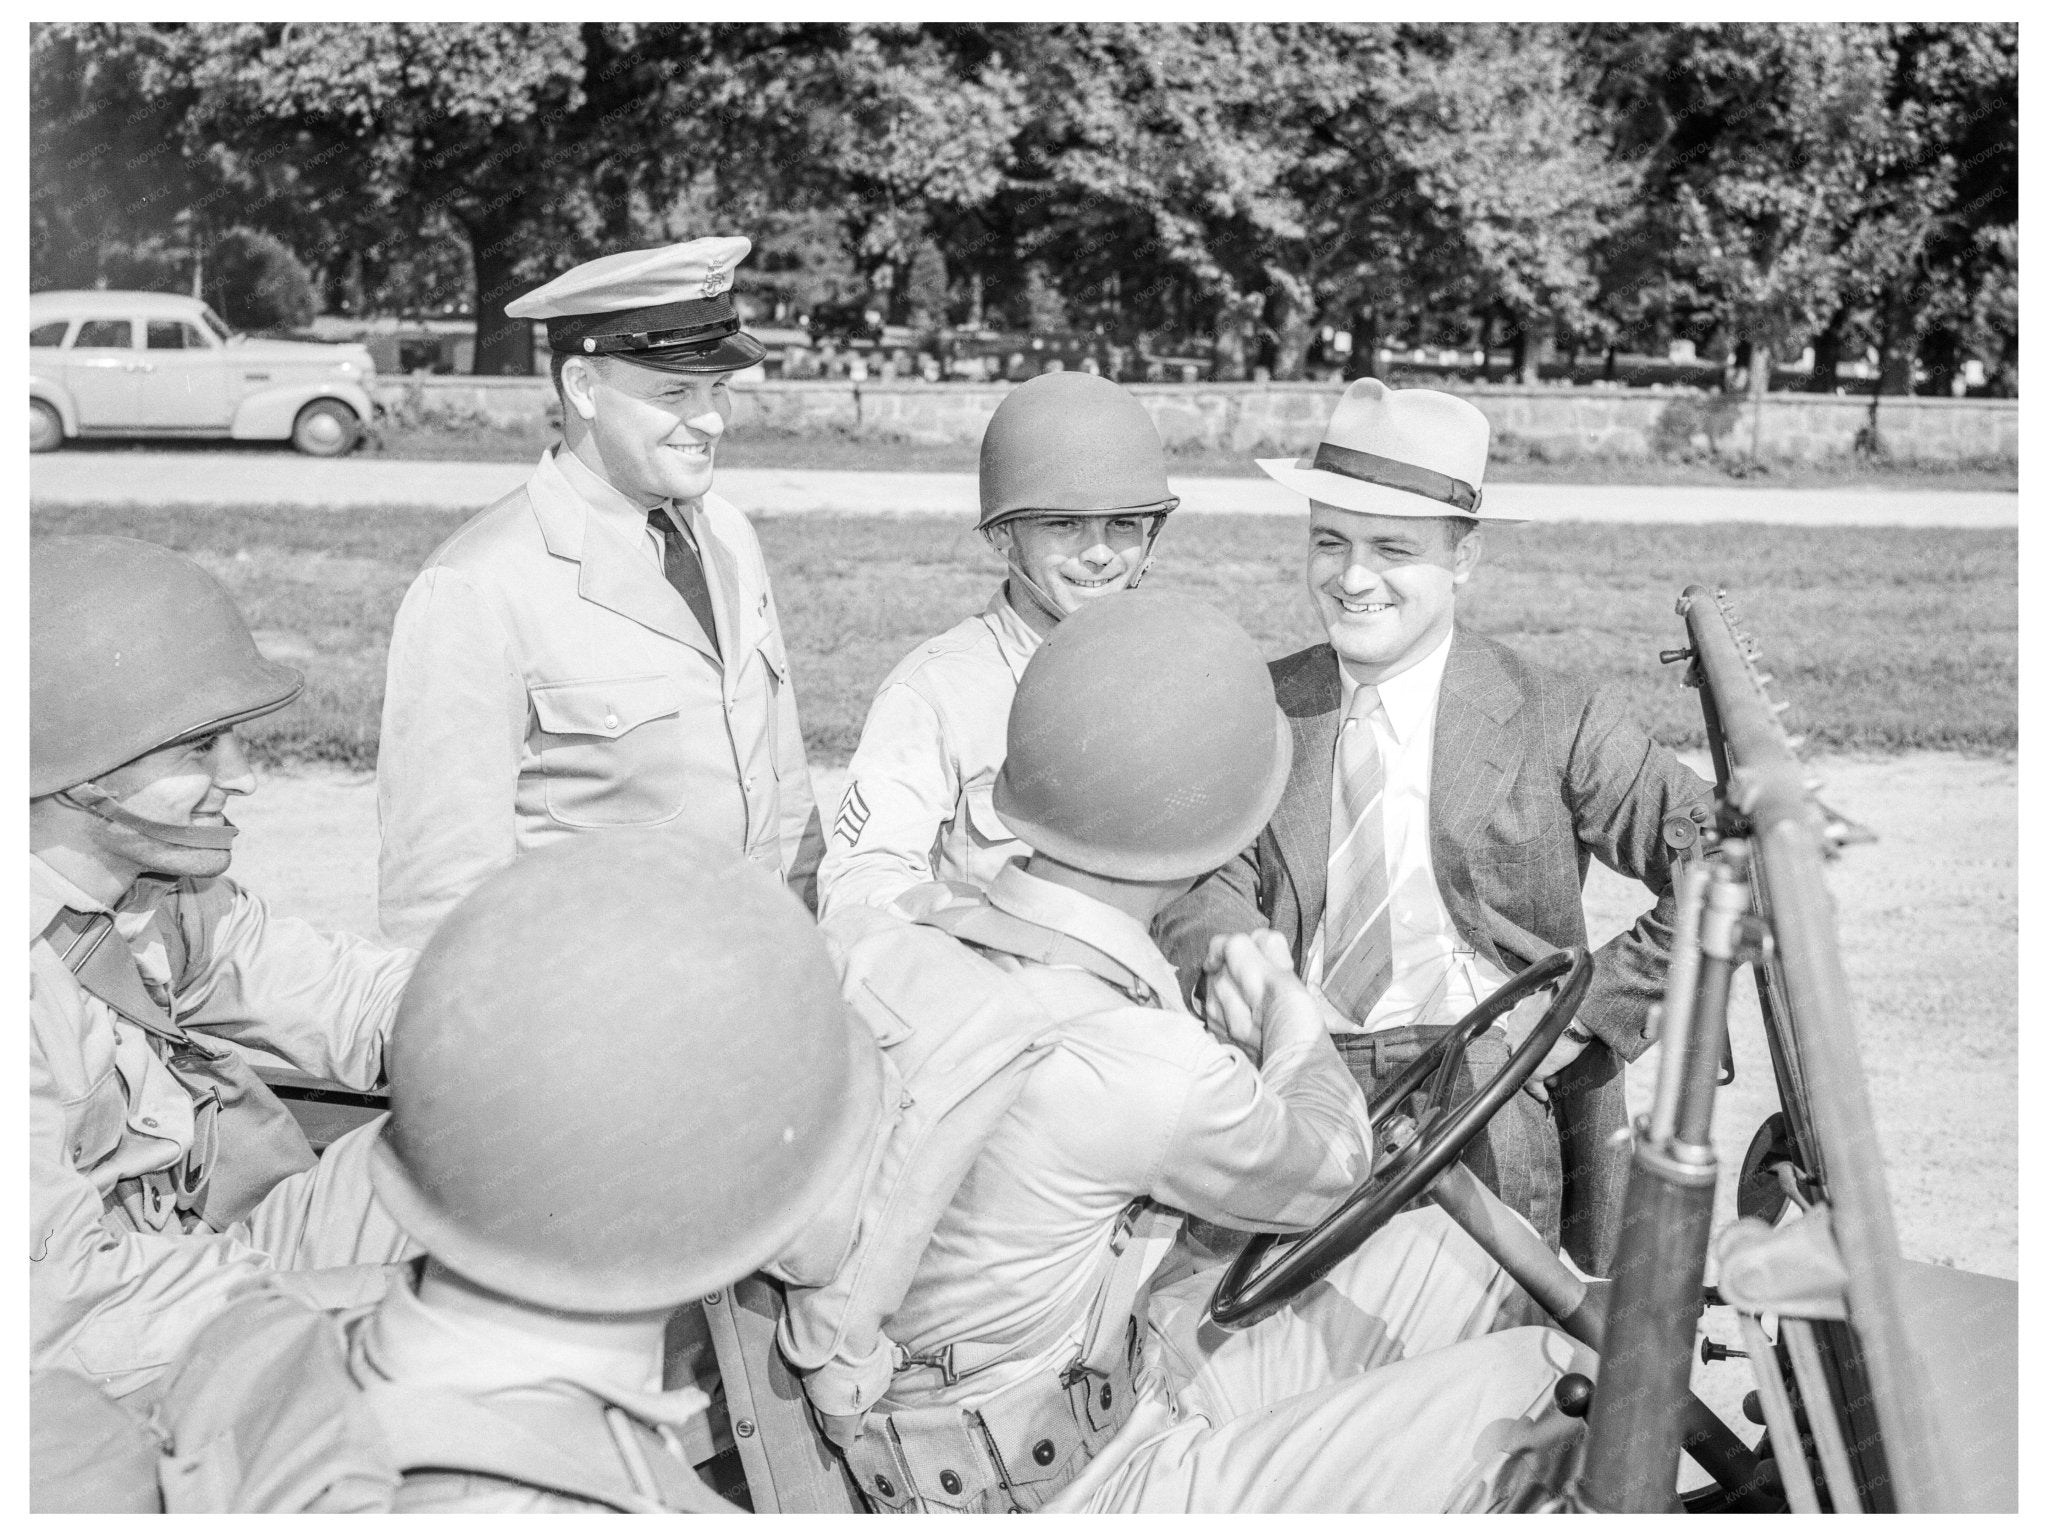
{"x": 1396, "y": 453}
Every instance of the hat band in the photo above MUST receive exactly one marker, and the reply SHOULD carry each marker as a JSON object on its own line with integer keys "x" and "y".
{"x": 684, "y": 323}
{"x": 1397, "y": 475}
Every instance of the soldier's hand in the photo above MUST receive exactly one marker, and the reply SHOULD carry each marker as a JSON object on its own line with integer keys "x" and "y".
{"x": 1253, "y": 989}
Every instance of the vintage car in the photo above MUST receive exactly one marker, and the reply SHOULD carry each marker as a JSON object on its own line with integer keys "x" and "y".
{"x": 1880, "y": 1384}
{"x": 115, "y": 363}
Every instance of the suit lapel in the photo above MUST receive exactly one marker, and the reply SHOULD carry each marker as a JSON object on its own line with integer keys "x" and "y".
{"x": 1310, "y": 698}
{"x": 628, "y": 583}
{"x": 611, "y": 573}
{"x": 1472, "y": 761}
{"x": 723, "y": 573}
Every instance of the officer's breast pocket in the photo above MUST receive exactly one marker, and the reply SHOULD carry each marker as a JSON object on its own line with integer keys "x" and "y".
{"x": 985, "y": 825}
{"x": 95, "y": 1120}
{"x": 612, "y": 750}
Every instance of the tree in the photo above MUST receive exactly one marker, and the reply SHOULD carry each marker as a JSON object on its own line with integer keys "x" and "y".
{"x": 540, "y": 143}
{"x": 257, "y": 284}
{"x": 1501, "y": 136}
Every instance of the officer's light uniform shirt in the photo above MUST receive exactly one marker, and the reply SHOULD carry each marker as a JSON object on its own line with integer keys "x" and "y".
{"x": 1138, "y": 1099}
{"x": 919, "y": 801}
{"x": 1437, "y": 977}
{"x": 545, "y": 679}
{"x": 119, "y": 1277}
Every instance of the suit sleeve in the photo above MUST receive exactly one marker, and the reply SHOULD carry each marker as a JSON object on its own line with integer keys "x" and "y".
{"x": 1623, "y": 786}
{"x": 1226, "y": 901}
{"x": 448, "y": 755}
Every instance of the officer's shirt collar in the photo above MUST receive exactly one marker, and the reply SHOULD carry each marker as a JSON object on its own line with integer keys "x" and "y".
{"x": 610, "y": 505}
{"x": 1096, "y": 923}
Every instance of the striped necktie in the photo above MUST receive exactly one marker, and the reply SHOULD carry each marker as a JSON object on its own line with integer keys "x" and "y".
{"x": 684, "y": 568}
{"x": 1358, "y": 938}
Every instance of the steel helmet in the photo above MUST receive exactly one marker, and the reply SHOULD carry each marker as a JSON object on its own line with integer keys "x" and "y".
{"x": 622, "y": 1077}
{"x": 132, "y": 647}
{"x": 1071, "y": 442}
{"x": 1145, "y": 741}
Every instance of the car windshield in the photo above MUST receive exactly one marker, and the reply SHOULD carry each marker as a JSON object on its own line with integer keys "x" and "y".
{"x": 214, "y": 323}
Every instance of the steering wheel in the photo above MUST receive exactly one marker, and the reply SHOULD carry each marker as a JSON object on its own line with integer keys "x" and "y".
{"x": 1412, "y": 1151}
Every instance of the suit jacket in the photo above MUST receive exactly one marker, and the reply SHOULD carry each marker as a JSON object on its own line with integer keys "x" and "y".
{"x": 1533, "y": 774}
{"x": 545, "y": 679}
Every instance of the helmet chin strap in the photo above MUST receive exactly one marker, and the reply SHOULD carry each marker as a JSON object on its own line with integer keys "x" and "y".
{"x": 1044, "y": 600}
{"x": 91, "y": 798}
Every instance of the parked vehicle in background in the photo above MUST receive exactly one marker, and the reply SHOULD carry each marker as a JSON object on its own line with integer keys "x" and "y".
{"x": 113, "y": 363}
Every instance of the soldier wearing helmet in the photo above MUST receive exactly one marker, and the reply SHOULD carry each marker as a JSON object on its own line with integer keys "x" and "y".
{"x": 569, "y": 1200}
{"x": 1073, "y": 496}
{"x": 1145, "y": 749}
{"x": 163, "y": 1174}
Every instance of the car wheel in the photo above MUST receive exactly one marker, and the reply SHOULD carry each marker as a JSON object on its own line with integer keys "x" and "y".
{"x": 45, "y": 427}
{"x": 326, "y": 429}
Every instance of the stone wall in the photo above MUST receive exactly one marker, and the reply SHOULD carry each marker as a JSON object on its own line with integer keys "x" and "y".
{"x": 1553, "y": 424}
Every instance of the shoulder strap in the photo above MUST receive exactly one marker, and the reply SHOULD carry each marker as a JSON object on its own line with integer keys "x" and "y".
{"x": 989, "y": 927}
{"x": 104, "y": 965}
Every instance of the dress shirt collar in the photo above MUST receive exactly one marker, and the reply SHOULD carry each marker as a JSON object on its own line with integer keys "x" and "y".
{"x": 1409, "y": 696}
{"x": 1094, "y": 923}
{"x": 1017, "y": 640}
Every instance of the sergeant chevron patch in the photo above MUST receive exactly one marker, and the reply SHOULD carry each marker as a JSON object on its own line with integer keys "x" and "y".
{"x": 853, "y": 815}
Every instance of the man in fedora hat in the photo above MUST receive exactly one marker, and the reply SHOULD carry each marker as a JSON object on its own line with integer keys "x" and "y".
{"x": 1446, "y": 795}
{"x": 600, "y": 648}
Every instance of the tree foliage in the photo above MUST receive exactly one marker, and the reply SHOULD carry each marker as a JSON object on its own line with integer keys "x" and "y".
{"x": 1753, "y": 187}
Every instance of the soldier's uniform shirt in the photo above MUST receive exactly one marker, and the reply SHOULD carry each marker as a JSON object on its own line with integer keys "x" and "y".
{"x": 919, "y": 800}
{"x": 546, "y": 1386}
{"x": 119, "y": 1276}
{"x": 545, "y": 679}
{"x": 1139, "y": 1100}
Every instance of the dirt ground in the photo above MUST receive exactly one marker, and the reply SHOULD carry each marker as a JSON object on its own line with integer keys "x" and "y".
{"x": 1929, "y": 922}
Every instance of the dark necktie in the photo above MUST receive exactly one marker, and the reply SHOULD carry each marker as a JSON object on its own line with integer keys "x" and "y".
{"x": 684, "y": 568}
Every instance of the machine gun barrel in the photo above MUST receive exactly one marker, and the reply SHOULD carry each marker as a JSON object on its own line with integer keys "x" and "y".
{"x": 1638, "y": 1417}
{"x": 1789, "y": 832}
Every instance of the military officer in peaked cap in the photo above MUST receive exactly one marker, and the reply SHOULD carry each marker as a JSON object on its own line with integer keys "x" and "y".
{"x": 600, "y": 648}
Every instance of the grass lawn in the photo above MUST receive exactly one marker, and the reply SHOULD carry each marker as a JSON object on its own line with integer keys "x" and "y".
{"x": 1883, "y": 639}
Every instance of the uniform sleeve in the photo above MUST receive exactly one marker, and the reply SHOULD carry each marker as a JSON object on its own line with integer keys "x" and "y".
{"x": 900, "y": 790}
{"x": 1622, "y": 786}
{"x": 803, "y": 838}
{"x": 114, "y": 1304}
{"x": 448, "y": 754}
{"x": 322, "y": 1002}
{"x": 1222, "y": 902}
{"x": 1271, "y": 1148}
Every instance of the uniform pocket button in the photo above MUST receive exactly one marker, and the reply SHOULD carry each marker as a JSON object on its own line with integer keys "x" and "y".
{"x": 950, "y": 1481}
{"x": 884, "y": 1487}
{"x": 611, "y": 722}
{"x": 1043, "y": 1453}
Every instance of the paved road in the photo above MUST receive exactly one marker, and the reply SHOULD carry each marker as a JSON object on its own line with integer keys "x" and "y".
{"x": 246, "y": 478}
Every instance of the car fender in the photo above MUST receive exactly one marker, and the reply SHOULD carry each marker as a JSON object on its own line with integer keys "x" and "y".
{"x": 271, "y": 412}
{"x": 46, "y": 389}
